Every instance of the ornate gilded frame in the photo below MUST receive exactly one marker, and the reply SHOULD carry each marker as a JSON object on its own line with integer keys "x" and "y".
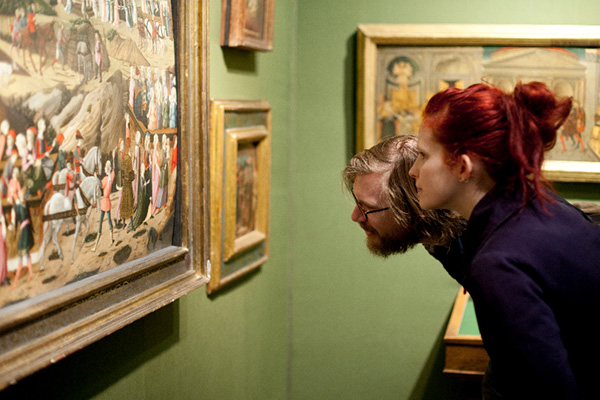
{"x": 234, "y": 251}
{"x": 377, "y": 38}
{"x": 49, "y": 327}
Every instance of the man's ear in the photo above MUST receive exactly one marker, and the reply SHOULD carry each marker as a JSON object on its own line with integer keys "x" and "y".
{"x": 465, "y": 168}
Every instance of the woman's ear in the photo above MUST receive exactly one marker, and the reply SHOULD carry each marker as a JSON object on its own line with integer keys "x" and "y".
{"x": 465, "y": 168}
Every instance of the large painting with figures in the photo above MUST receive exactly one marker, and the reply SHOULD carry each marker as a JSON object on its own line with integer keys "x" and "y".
{"x": 90, "y": 167}
{"x": 89, "y": 140}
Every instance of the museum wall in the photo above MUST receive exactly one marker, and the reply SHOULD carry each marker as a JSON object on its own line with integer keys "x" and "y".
{"x": 322, "y": 319}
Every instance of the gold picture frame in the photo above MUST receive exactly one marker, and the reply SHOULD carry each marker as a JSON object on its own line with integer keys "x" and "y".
{"x": 240, "y": 186}
{"x": 465, "y": 354}
{"x": 248, "y": 24}
{"x": 401, "y": 66}
{"x": 44, "y": 329}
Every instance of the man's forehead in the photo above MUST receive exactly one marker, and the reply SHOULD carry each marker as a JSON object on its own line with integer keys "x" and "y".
{"x": 369, "y": 184}
{"x": 372, "y": 177}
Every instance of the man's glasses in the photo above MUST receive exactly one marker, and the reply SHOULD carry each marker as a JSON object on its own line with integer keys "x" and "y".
{"x": 366, "y": 213}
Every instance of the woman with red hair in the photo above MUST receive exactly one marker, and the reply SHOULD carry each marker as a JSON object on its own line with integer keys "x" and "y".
{"x": 531, "y": 261}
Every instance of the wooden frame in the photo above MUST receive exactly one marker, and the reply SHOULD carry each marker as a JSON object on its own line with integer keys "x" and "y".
{"x": 46, "y": 328}
{"x": 465, "y": 354}
{"x": 248, "y": 24}
{"x": 422, "y": 59}
{"x": 240, "y": 186}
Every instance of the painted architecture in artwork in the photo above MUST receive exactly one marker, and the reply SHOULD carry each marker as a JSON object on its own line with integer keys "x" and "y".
{"x": 409, "y": 76}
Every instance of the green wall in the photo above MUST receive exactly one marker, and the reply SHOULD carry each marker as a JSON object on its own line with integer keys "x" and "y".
{"x": 322, "y": 319}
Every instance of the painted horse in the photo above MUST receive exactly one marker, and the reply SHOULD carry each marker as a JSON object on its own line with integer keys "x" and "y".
{"x": 29, "y": 42}
{"x": 89, "y": 167}
{"x": 59, "y": 208}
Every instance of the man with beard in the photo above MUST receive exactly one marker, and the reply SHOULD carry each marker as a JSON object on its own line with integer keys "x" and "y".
{"x": 387, "y": 208}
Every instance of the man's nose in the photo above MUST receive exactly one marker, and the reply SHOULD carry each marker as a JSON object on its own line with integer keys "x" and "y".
{"x": 357, "y": 215}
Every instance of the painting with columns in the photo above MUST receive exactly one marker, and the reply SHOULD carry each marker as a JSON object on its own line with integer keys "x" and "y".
{"x": 409, "y": 76}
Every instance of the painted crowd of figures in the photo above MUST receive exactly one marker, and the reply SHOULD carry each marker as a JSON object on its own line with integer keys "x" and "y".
{"x": 153, "y": 97}
{"x": 151, "y": 20}
{"x": 110, "y": 11}
{"x": 139, "y": 173}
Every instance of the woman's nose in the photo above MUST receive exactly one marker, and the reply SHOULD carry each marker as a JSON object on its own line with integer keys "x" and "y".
{"x": 412, "y": 172}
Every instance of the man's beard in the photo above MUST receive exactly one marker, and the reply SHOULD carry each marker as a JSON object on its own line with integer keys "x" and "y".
{"x": 386, "y": 246}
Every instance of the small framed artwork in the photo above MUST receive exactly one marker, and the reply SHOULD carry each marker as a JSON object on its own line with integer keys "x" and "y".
{"x": 240, "y": 187}
{"x": 104, "y": 165}
{"x": 465, "y": 354}
{"x": 248, "y": 24}
{"x": 401, "y": 66}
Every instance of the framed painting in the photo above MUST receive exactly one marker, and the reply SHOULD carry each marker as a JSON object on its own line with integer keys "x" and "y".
{"x": 401, "y": 66}
{"x": 247, "y": 24}
{"x": 465, "y": 354}
{"x": 103, "y": 152}
{"x": 240, "y": 185}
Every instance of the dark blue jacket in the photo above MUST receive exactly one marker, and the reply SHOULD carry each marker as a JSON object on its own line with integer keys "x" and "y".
{"x": 534, "y": 276}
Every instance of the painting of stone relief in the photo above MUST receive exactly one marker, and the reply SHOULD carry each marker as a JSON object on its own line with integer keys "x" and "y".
{"x": 408, "y": 76}
{"x": 88, "y": 139}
